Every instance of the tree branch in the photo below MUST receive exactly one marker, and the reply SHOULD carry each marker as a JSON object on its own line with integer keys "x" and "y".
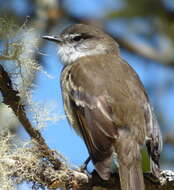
{"x": 145, "y": 51}
{"x": 169, "y": 139}
{"x": 45, "y": 175}
{"x": 12, "y": 99}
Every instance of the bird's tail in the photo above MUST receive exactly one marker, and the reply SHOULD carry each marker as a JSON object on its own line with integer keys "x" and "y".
{"x": 131, "y": 178}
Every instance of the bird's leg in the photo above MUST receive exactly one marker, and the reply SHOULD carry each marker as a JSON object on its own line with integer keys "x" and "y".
{"x": 85, "y": 164}
{"x": 152, "y": 178}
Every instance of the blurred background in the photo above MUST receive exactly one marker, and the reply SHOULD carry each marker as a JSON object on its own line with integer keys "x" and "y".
{"x": 144, "y": 30}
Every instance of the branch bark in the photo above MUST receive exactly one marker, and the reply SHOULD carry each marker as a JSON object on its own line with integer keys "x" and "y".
{"x": 45, "y": 175}
{"x": 12, "y": 99}
{"x": 145, "y": 51}
{"x": 169, "y": 139}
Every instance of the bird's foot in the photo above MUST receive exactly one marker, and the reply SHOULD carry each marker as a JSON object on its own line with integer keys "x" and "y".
{"x": 83, "y": 168}
{"x": 152, "y": 177}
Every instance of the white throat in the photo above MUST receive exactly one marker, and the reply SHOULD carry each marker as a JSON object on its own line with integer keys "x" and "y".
{"x": 69, "y": 53}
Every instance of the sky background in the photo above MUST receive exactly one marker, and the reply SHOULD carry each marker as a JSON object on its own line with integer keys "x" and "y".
{"x": 59, "y": 135}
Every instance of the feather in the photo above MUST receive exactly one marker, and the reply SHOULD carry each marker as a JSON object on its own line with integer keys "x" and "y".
{"x": 108, "y": 109}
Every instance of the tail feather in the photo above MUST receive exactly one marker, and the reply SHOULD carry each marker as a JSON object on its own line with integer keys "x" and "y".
{"x": 155, "y": 168}
{"x": 154, "y": 143}
{"x": 131, "y": 178}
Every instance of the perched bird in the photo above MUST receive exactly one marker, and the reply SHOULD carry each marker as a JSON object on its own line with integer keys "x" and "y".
{"x": 106, "y": 104}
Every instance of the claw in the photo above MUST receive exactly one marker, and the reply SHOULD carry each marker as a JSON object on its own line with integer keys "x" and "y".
{"x": 85, "y": 164}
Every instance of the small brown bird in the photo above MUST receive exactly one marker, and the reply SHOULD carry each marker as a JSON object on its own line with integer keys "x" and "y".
{"x": 106, "y": 104}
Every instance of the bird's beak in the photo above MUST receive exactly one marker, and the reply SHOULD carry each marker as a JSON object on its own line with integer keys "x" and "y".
{"x": 56, "y": 39}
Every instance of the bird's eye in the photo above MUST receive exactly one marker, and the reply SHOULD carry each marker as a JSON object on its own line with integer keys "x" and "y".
{"x": 81, "y": 36}
{"x": 77, "y": 38}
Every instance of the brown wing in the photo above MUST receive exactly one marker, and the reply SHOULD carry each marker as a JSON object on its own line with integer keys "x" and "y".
{"x": 100, "y": 98}
{"x": 90, "y": 117}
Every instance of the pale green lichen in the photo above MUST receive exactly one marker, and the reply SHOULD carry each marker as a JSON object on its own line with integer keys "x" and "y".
{"x": 21, "y": 161}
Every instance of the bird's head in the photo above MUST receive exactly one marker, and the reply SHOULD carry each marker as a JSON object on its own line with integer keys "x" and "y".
{"x": 81, "y": 40}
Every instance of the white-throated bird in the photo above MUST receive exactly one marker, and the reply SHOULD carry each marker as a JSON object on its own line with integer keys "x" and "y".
{"x": 106, "y": 104}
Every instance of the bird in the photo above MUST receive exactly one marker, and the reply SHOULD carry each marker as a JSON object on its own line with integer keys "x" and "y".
{"x": 106, "y": 104}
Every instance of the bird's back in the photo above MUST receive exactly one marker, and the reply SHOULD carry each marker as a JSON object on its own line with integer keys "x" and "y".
{"x": 119, "y": 86}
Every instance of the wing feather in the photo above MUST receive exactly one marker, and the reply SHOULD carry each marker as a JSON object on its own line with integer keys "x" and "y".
{"x": 99, "y": 101}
